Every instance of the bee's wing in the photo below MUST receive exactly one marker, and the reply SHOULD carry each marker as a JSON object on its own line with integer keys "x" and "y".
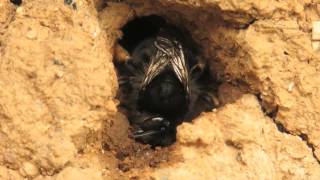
{"x": 179, "y": 66}
{"x": 175, "y": 56}
{"x": 168, "y": 52}
{"x": 157, "y": 64}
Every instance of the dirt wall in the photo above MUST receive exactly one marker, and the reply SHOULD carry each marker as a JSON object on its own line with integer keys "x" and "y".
{"x": 58, "y": 106}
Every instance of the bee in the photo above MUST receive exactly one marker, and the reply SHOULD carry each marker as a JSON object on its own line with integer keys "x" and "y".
{"x": 161, "y": 86}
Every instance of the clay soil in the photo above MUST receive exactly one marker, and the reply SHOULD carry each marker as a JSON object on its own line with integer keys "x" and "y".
{"x": 59, "y": 115}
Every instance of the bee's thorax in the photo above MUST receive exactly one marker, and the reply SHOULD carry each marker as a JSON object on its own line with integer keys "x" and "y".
{"x": 164, "y": 95}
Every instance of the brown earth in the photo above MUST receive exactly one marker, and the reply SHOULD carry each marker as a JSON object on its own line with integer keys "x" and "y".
{"x": 58, "y": 111}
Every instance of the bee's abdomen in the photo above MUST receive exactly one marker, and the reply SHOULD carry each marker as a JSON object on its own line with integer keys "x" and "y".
{"x": 165, "y": 96}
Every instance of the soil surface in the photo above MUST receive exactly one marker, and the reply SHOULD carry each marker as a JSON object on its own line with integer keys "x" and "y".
{"x": 59, "y": 113}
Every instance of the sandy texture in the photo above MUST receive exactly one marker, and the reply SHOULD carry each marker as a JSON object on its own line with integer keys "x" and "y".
{"x": 56, "y": 79}
{"x": 239, "y": 142}
{"x": 59, "y": 116}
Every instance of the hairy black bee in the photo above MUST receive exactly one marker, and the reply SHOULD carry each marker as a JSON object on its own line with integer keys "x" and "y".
{"x": 162, "y": 85}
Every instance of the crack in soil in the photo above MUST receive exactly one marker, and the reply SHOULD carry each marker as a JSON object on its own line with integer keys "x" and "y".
{"x": 246, "y": 25}
{"x": 281, "y": 128}
{"x": 304, "y": 137}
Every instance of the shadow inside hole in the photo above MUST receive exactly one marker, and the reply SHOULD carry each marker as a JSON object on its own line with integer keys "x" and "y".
{"x": 16, "y": 2}
{"x": 156, "y": 111}
{"x": 140, "y": 29}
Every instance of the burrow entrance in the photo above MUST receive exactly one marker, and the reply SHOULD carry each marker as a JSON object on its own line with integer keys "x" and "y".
{"x": 179, "y": 90}
{"x": 212, "y": 41}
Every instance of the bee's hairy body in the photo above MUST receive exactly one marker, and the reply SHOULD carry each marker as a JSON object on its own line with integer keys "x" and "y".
{"x": 160, "y": 89}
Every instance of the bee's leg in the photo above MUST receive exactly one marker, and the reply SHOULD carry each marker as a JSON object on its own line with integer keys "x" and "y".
{"x": 155, "y": 122}
{"x": 143, "y": 134}
{"x": 162, "y": 137}
{"x": 148, "y": 122}
{"x": 155, "y": 130}
{"x": 197, "y": 69}
{"x": 211, "y": 100}
{"x": 205, "y": 101}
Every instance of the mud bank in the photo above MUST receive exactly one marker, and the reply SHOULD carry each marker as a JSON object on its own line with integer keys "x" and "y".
{"x": 58, "y": 85}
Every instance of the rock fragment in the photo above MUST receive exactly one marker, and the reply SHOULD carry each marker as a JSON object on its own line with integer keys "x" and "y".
{"x": 316, "y": 35}
{"x": 29, "y": 169}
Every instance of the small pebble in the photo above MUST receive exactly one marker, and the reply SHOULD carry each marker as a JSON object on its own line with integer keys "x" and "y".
{"x": 291, "y": 85}
{"x": 316, "y": 45}
{"x": 31, "y": 34}
{"x": 316, "y": 35}
{"x": 20, "y": 11}
{"x": 59, "y": 74}
{"x": 30, "y": 169}
{"x": 316, "y": 31}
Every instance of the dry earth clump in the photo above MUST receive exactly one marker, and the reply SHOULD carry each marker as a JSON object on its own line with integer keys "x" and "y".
{"x": 58, "y": 85}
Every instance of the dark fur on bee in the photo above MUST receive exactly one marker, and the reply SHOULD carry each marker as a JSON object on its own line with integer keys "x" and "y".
{"x": 161, "y": 86}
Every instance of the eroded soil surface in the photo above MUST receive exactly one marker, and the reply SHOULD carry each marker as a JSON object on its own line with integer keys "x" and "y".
{"x": 59, "y": 113}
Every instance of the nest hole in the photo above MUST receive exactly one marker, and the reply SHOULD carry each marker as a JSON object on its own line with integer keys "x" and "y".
{"x": 16, "y": 2}
{"x": 139, "y": 29}
{"x": 168, "y": 99}
{"x": 145, "y": 26}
